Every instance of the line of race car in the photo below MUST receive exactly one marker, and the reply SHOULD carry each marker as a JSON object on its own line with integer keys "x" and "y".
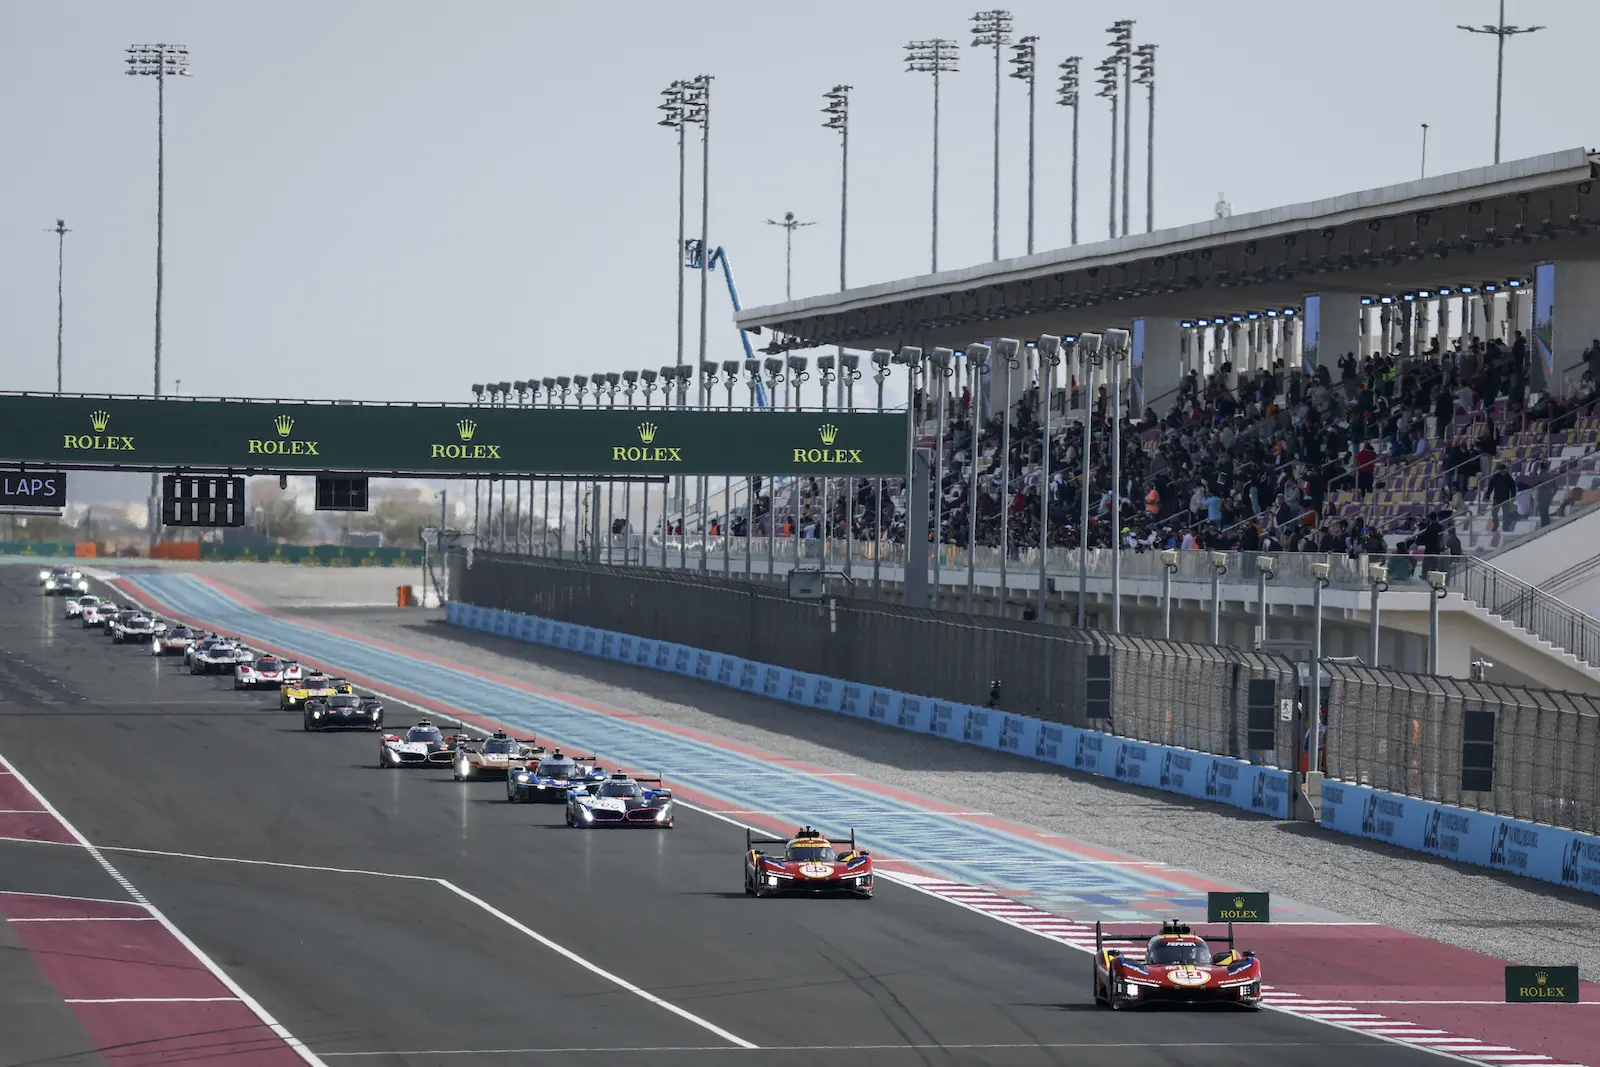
{"x": 1178, "y": 965}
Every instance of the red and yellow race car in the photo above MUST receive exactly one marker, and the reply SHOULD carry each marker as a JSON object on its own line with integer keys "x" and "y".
{"x": 1178, "y": 967}
{"x": 810, "y": 864}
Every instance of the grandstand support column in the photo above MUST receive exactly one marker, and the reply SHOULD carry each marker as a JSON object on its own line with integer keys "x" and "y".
{"x": 774, "y": 368}
{"x": 1573, "y": 319}
{"x": 977, "y": 355}
{"x": 1006, "y": 349}
{"x": 1089, "y": 358}
{"x": 880, "y": 374}
{"x": 916, "y": 566}
{"x": 1117, "y": 341}
{"x": 1338, "y": 330}
{"x": 1049, "y": 349}
{"x": 939, "y": 371}
{"x": 1158, "y": 362}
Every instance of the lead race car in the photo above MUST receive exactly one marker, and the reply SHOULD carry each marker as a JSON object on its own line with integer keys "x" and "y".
{"x": 810, "y": 864}
{"x": 1178, "y": 967}
{"x": 495, "y": 757}
{"x": 549, "y": 781}
{"x": 620, "y": 800}
{"x": 63, "y": 581}
{"x": 423, "y": 745}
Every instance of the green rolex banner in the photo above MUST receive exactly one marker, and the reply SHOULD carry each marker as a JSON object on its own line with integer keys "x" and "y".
{"x": 1541, "y": 985}
{"x": 1238, "y": 908}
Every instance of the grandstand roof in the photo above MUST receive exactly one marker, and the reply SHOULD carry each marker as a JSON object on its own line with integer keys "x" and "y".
{"x": 1490, "y": 223}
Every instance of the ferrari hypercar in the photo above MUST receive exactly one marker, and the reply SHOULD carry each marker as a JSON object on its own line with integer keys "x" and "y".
{"x": 173, "y": 641}
{"x": 549, "y": 780}
{"x": 64, "y": 581}
{"x": 424, "y": 745}
{"x": 620, "y": 800}
{"x": 223, "y": 657}
{"x": 132, "y": 627}
{"x": 295, "y": 692}
{"x": 810, "y": 864}
{"x": 75, "y": 605}
{"x": 265, "y": 672}
{"x": 495, "y": 757}
{"x": 1178, "y": 967}
{"x": 343, "y": 711}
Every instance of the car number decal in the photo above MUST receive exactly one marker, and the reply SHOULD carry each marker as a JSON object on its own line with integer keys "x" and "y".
{"x": 816, "y": 870}
{"x": 1188, "y": 976}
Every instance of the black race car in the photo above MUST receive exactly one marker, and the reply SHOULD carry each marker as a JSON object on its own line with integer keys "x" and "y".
{"x": 343, "y": 711}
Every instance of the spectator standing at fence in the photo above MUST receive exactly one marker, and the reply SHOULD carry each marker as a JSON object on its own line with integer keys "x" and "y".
{"x": 1366, "y": 468}
{"x": 1544, "y": 494}
{"x": 1502, "y": 494}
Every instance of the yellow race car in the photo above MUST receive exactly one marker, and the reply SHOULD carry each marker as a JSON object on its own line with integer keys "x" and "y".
{"x": 314, "y": 686}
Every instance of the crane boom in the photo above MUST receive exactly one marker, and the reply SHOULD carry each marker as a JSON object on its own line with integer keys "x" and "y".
{"x": 695, "y": 259}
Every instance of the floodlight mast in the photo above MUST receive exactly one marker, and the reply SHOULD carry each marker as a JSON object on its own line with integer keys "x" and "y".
{"x": 1500, "y": 31}
{"x": 789, "y": 224}
{"x": 675, "y": 104}
{"x": 1109, "y": 91}
{"x": 1122, "y": 52}
{"x": 61, "y": 231}
{"x": 161, "y": 61}
{"x": 992, "y": 29}
{"x": 1145, "y": 75}
{"x": 936, "y": 56}
{"x": 1067, "y": 96}
{"x": 837, "y": 111}
{"x": 1024, "y": 64}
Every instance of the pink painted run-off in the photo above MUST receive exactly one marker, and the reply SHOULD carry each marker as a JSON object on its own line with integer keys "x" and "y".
{"x": 1346, "y": 963}
{"x": 106, "y": 950}
{"x": 23, "y": 818}
{"x": 1351, "y": 964}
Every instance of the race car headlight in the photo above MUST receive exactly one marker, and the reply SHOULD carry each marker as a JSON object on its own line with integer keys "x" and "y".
{"x": 316, "y": 714}
{"x": 76, "y": 575}
{"x": 862, "y": 880}
{"x": 49, "y": 583}
{"x": 772, "y": 879}
{"x": 43, "y": 575}
{"x": 588, "y": 816}
{"x": 663, "y": 814}
{"x": 374, "y": 714}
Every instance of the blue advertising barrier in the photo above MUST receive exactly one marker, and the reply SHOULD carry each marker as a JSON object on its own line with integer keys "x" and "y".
{"x": 1219, "y": 779}
{"x": 1548, "y": 853}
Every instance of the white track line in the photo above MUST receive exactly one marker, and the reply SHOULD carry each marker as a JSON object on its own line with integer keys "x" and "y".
{"x": 157, "y": 1000}
{"x": 139, "y": 898}
{"x": 89, "y": 919}
{"x": 61, "y": 896}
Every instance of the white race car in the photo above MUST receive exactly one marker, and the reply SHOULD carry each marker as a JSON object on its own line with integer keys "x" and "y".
{"x": 265, "y": 672}
{"x": 133, "y": 627}
{"x": 221, "y": 658}
{"x": 423, "y": 745}
{"x": 90, "y": 616}
{"x": 76, "y": 605}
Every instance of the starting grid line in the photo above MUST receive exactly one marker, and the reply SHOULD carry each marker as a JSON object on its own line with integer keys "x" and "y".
{"x": 973, "y": 856}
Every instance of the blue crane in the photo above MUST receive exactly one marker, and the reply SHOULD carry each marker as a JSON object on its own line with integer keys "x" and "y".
{"x": 694, "y": 258}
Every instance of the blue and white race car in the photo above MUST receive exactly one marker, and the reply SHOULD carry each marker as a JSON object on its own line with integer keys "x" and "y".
{"x": 620, "y": 801}
{"x": 549, "y": 780}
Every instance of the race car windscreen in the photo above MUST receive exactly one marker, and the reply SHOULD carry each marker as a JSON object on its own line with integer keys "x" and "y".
{"x": 621, "y": 789}
{"x": 1190, "y": 953}
{"x": 813, "y": 852}
{"x": 345, "y": 700}
{"x": 498, "y": 748}
{"x": 425, "y": 734}
{"x": 556, "y": 769}
{"x": 268, "y": 665}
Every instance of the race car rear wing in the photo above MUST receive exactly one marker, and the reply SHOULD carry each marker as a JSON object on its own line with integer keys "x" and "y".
{"x": 1100, "y": 938}
{"x": 751, "y": 840}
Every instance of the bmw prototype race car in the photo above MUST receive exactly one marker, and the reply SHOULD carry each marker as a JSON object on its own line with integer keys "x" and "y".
{"x": 495, "y": 757}
{"x": 620, "y": 801}
{"x": 809, "y": 864}
{"x": 173, "y": 641}
{"x": 423, "y": 745}
{"x": 1178, "y": 967}
{"x": 63, "y": 581}
{"x": 343, "y": 711}
{"x": 223, "y": 657}
{"x": 295, "y": 691}
{"x": 265, "y": 672}
{"x": 76, "y": 605}
{"x": 549, "y": 780}
{"x": 132, "y": 627}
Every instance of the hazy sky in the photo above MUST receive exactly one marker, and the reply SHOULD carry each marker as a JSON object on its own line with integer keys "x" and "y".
{"x": 391, "y": 199}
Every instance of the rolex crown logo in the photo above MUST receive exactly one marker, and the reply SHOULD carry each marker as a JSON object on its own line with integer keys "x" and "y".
{"x": 1238, "y": 902}
{"x": 284, "y": 423}
{"x": 647, "y": 432}
{"x": 1541, "y": 977}
{"x": 466, "y": 427}
{"x": 828, "y": 432}
{"x": 99, "y": 420}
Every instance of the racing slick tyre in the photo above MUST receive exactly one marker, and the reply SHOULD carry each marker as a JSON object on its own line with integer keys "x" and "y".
{"x": 455, "y": 772}
{"x": 511, "y": 795}
{"x": 383, "y": 764}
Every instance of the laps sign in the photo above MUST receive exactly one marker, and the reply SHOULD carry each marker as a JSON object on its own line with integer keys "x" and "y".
{"x": 1238, "y": 908}
{"x": 33, "y": 489}
{"x": 1541, "y": 985}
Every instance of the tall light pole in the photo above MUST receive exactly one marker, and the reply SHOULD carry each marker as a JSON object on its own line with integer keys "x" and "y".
{"x": 699, "y": 98}
{"x": 1024, "y": 55}
{"x": 992, "y": 29}
{"x": 1122, "y": 52}
{"x": 161, "y": 61}
{"x": 789, "y": 224}
{"x": 675, "y": 104}
{"x": 837, "y": 111}
{"x": 1500, "y": 31}
{"x": 61, "y": 232}
{"x": 1423, "y": 173}
{"x": 1145, "y": 75}
{"x": 1110, "y": 91}
{"x": 1067, "y": 96}
{"x": 935, "y": 56}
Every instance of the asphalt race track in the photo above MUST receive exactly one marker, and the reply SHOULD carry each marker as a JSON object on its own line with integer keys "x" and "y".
{"x": 388, "y": 917}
